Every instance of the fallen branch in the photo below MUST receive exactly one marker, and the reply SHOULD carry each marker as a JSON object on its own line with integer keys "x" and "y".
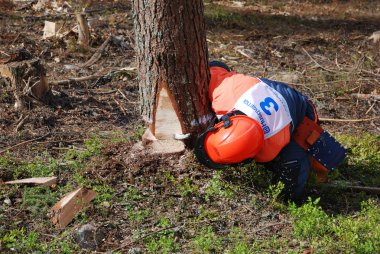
{"x": 95, "y": 57}
{"x": 348, "y": 120}
{"x": 371, "y": 73}
{"x": 23, "y": 143}
{"x": 270, "y": 225}
{"x": 370, "y": 108}
{"x": 319, "y": 65}
{"x": 120, "y": 106}
{"x": 94, "y": 91}
{"x": 363, "y": 96}
{"x": 373, "y": 190}
{"x": 21, "y": 123}
{"x": 75, "y": 80}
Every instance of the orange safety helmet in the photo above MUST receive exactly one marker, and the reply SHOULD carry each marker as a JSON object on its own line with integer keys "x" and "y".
{"x": 236, "y": 138}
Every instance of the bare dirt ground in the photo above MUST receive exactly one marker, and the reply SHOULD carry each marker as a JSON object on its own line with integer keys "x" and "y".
{"x": 322, "y": 49}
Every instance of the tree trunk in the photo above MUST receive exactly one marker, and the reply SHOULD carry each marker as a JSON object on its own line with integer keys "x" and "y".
{"x": 173, "y": 66}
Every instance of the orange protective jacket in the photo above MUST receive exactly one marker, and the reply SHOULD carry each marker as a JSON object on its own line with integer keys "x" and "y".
{"x": 225, "y": 89}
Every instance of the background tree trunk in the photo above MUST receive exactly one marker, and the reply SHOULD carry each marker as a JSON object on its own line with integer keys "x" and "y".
{"x": 173, "y": 66}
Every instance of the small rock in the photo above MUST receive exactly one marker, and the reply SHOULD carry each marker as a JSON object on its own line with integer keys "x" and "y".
{"x": 265, "y": 214}
{"x": 293, "y": 243}
{"x": 135, "y": 250}
{"x": 8, "y": 201}
{"x": 106, "y": 204}
{"x": 85, "y": 237}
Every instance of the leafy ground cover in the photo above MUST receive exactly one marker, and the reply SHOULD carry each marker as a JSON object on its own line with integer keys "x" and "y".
{"x": 149, "y": 204}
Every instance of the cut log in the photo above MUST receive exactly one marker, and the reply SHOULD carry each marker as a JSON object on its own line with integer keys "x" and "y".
{"x": 42, "y": 181}
{"x": 28, "y": 79}
{"x": 65, "y": 210}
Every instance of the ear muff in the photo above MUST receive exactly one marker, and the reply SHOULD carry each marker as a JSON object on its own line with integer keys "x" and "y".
{"x": 235, "y": 139}
{"x": 201, "y": 154}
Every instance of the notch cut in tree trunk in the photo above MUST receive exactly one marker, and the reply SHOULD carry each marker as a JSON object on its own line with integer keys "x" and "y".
{"x": 173, "y": 68}
{"x": 27, "y": 79}
{"x": 66, "y": 209}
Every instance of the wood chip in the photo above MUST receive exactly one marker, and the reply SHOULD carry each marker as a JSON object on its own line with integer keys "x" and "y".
{"x": 43, "y": 181}
{"x": 65, "y": 210}
{"x": 167, "y": 147}
{"x": 375, "y": 36}
{"x": 49, "y": 29}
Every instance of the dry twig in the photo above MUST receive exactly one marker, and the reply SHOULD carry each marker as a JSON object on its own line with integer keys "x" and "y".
{"x": 21, "y": 123}
{"x": 270, "y": 225}
{"x": 348, "y": 120}
{"x": 370, "y": 108}
{"x": 23, "y": 143}
{"x": 74, "y": 80}
{"x": 120, "y": 106}
{"x": 319, "y": 65}
{"x": 95, "y": 57}
{"x": 374, "y": 190}
{"x": 363, "y": 96}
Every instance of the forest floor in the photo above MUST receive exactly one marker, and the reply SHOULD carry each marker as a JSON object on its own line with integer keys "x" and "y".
{"x": 151, "y": 204}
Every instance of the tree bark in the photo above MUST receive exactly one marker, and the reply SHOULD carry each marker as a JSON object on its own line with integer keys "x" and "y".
{"x": 173, "y": 66}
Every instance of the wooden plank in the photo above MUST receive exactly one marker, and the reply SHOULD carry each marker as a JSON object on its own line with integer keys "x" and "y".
{"x": 43, "y": 181}
{"x": 65, "y": 210}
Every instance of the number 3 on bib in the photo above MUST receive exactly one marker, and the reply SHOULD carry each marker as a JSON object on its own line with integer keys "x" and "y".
{"x": 268, "y": 104}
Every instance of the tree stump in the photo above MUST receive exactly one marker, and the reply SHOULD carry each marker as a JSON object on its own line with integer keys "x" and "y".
{"x": 83, "y": 30}
{"x": 27, "y": 80}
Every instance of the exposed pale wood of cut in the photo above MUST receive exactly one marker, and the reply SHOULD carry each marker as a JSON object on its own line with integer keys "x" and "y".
{"x": 167, "y": 147}
{"x": 65, "y": 210}
{"x": 43, "y": 181}
{"x": 166, "y": 121}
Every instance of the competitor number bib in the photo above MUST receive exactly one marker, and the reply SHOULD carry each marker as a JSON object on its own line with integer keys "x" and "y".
{"x": 267, "y": 106}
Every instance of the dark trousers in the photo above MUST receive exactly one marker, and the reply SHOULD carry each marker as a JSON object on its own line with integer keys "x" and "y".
{"x": 292, "y": 165}
{"x": 292, "y": 168}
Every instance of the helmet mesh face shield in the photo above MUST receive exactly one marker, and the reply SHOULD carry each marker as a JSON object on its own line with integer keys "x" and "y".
{"x": 231, "y": 141}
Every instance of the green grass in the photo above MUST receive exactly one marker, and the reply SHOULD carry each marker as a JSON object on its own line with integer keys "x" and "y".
{"x": 218, "y": 188}
{"x": 363, "y": 159}
{"x": 164, "y": 231}
{"x": 36, "y": 201}
{"x": 357, "y": 233}
{"x": 20, "y": 241}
